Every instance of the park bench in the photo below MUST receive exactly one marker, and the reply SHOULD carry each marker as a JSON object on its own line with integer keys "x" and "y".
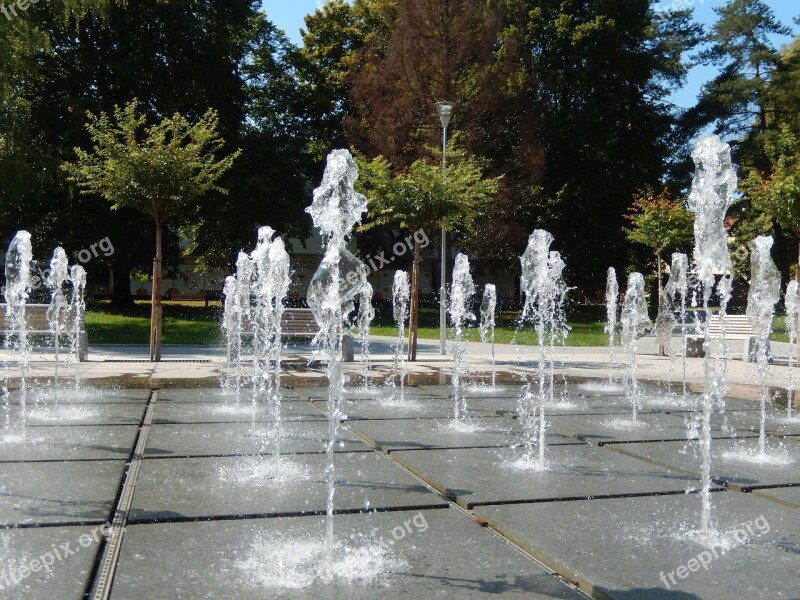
{"x": 300, "y": 323}
{"x": 737, "y": 328}
{"x": 189, "y": 296}
{"x": 36, "y": 316}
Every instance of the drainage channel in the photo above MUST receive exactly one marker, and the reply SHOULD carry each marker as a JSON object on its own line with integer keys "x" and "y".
{"x": 99, "y": 587}
{"x": 453, "y": 504}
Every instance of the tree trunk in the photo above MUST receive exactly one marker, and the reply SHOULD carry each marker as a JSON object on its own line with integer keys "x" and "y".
{"x": 658, "y": 276}
{"x": 155, "y": 302}
{"x": 797, "y": 266}
{"x": 413, "y": 317}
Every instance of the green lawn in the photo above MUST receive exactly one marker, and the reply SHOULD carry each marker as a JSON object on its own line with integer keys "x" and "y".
{"x": 191, "y": 323}
{"x": 184, "y": 323}
{"x": 586, "y": 324}
{"x": 779, "y": 333}
{"x": 582, "y": 334}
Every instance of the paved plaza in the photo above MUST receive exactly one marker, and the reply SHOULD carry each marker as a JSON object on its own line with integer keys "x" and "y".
{"x": 204, "y": 501}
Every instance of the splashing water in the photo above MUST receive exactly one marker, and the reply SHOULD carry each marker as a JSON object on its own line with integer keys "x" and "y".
{"x": 366, "y": 313}
{"x": 401, "y": 292}
{"x": 792, "y": 302}
{"x": 488, "y": 308}
{"x": 673, "y": 301}
{"x": 612, "y": 297}
{"x": 77, "y": 309}
{"x": 255, "y": 297}
{"x": 238, "y": 314}
{"x": 56, "y": 312}
{"x": 233, "y": 337}
{"x": 461, "y": 293}
{"x": 635, "y": 323}
{"x": 19, "y": 258}
{"x": 711, "y": 195}
{"x": 665, "y": 322}
{"x": 335, "y": 210}
{"x": 280, "y": 278}
{"x": 545, "y": 292}
{"x": 284, "y": 562}
{"x": 679, "y": 282}
{"x": 765, "y": 291}
{"x": 263, "y": 315}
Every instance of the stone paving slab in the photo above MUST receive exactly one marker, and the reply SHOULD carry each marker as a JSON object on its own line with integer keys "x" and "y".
{"x": 69, "y": 395}
{"x": 474, "y": 391}
{"x": 58, "y": 492}
{"x": 68, "y": 442}
{"x": 729, "y": 461}
{"x": 409, "y": 434}
{"x": 230, "y": 412}
{"x": 209, "y": 487}
{"x": 214, "y": 394}
{"x": 226, "y": 559}
{"x": 83, "y": 413}
{"x": 777, "y": 423}
{"x": 411, "y": 408}
{"x": 577, "y": 405}
{"x": 477, "y": 476}
{"x": 598, "y": 404}
{"x": 220, "y": 439}
{"x": 71, "y": 566}
{"x": 605, "y": 429}
{"x": 786, "y": 495}
{"x": 377, "y": 392}
{"x": 592, "y": 395}
{"x": 624, "y": 558}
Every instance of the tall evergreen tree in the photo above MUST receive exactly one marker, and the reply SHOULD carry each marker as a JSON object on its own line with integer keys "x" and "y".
{"x": 596, "y": 75}
{"x": 742, "y": 46}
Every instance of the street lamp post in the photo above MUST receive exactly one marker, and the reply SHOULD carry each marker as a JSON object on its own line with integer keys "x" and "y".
{"x": 445, "y": 111}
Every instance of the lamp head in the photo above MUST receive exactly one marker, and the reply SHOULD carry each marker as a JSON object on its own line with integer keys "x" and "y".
{"x": 445, "y": 111}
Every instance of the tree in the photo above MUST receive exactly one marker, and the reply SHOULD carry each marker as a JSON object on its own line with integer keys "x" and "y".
{"x": 599, "y": 75}
{"x": 659, "y": 222}
{"x": 783, "y": 91}
{"x": 777, "y": 192}
{"x": 161, "y": 170}
{"x": 421, "y": 197}
{"x": 436, "y": 50}
{"x": 741, "y": 45}
{"x": 271, "y": 180}
{"x": 24, "y": 160}
{"x": 176, "y": 57}
{"x": 333, "y": 37}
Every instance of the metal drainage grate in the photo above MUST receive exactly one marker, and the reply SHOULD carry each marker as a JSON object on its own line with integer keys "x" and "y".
{"x": 166, "y": 360}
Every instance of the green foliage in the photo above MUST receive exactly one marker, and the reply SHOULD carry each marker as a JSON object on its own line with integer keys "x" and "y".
{"x": 659, "y": 221}
{"x": 160, "y": 170}
{"x": 422, "y": 197}
{"x": 593, "y": 84}
{"x": 742, "y": 46}
{"x": 775, "y": 195}
{"x": 328, "y": 59}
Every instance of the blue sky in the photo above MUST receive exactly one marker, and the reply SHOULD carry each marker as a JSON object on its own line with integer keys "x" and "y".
{"x": 288, "y": 15}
